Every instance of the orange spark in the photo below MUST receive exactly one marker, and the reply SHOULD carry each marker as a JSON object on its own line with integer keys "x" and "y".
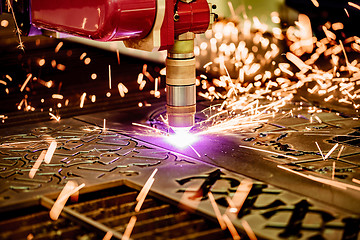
{"x": 118, "y": 56}
{"x": 144, "y": 191}
{"x": 26, "y": 82}
{"x": 54, "y": 117}
{"x": 315, "y": 2}
{"x": 331, "y": 150}
{"x": 231, "y": 227}
{"x": 50, "y": 152}
{"x": 82, "y": 100}
{"x": 109, "y": 76}
{"x": 122, "y": 89}
{"x": 129, "y": 228}
{"x": 322, "y": 155}
{"x": 356, "y": 180}
{"x": 266, "y": 151}
{"x": 87, "y": 61}
{"x": 60, "y": 44}
{"x": 108, "y": 236}
{"x": 63, "y": 196}
{"x": 240, "y": 195}
{"x": 82, "y": 56}
{"x": 354, "y": 5}
{"x": 37, "y": 164}
{"x": 248, "y": 230}
{"x": 297, "y": 61}
{"x": 217, "y": 211}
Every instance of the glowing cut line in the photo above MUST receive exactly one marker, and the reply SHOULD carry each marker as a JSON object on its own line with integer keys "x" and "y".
{"x": 266, "y": 151}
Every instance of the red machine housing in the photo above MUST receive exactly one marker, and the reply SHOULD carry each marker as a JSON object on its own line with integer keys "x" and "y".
{"x": 109, "y": 20}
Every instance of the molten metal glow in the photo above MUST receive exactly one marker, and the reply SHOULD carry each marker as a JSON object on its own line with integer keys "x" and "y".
{"x": 182, "y": 137}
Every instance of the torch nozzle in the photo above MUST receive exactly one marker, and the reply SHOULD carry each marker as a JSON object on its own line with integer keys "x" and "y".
{"x": 180, "y": 83}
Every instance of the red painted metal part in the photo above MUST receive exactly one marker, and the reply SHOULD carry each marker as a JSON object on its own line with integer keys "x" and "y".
{"x": 167, "y": 28}
{"x": 102, "y": 20}
{"x": 193, "y": 17}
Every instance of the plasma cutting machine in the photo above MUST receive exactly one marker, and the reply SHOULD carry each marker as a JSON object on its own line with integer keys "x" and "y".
{"x": 150, "y": 25}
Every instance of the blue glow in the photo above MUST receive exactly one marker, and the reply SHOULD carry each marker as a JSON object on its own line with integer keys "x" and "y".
{"x": 182, "y": 137}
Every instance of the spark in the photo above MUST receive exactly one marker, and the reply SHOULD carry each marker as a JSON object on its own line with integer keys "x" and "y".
{"x": 240, "y": 195}
{"x": 248, "y": 230}
{"x": 108, "y": 235}
{"x": 87, "y": 61}
{"x": 217, "y": 211}
{"x": 322, "y": 155}
{"x": 83, "y": 55}
{"x": 208, "y": 64}
{"x": 345, "y": 55}
{"x": 355, "y": 180}
{"x": 57, "y": 49}
{"x": 145, "y": 126}
{"x": 104, "y": 126}
{"x": 315, "y": 2}
{"x": 145, "y": 190}
{"x": 8, "y": 77}
{"x": 82, "y": 100}
{"x": 50, "y": 152}
{"x": 333, "y": 183}
{"x": 339, "y": 154}
{"x": 70, "y": 193}
{"x": 37, "y": 164}
{"x": 129, "y": 228}
{"x": 266, "y": 151}
{"x": 29, "y": 76}
{"x": 196, "y": 152}
{"x": 231, "y": 227}
{"x": 30, "y": 236}
{"x": 331, "y": 150}
{"x": 318, "y": 119}
{"x": 297, "y": 61}
{"x": 109, "y": 76}
{"x": 231, "y": 7}
{"x": 57, "y": 96}
{"x": 148, "y": 75}
{"x": 140, "y": 78}
{"x": 61, "y": 67}
{"x": 333, "y": 171}
{"x": 346, "y": 11}
{"x": 59, "y": 205}
{"x": 122, "y": 89}
{"x": 54, "y": 117}
{"x": 18, "y": 31}
{"x": 83, "y": 23}
{"x": 144, "y": 69}
{"x": 354, "y": 5}
{"x": 118, "y": 56}
{"x": 4, "y": 23}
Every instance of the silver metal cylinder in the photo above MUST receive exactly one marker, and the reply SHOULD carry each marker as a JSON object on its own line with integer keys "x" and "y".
{"x": 181, "y": 95}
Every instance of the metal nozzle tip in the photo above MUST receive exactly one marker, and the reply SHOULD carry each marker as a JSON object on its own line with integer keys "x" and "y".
{"x": 181, "y": 117}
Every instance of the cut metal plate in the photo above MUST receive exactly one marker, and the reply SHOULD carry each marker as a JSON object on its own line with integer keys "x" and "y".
{"x": 86, "y": 153}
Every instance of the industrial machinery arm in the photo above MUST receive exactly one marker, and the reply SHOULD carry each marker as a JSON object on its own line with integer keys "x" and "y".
{"x": 151, "y": 25}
